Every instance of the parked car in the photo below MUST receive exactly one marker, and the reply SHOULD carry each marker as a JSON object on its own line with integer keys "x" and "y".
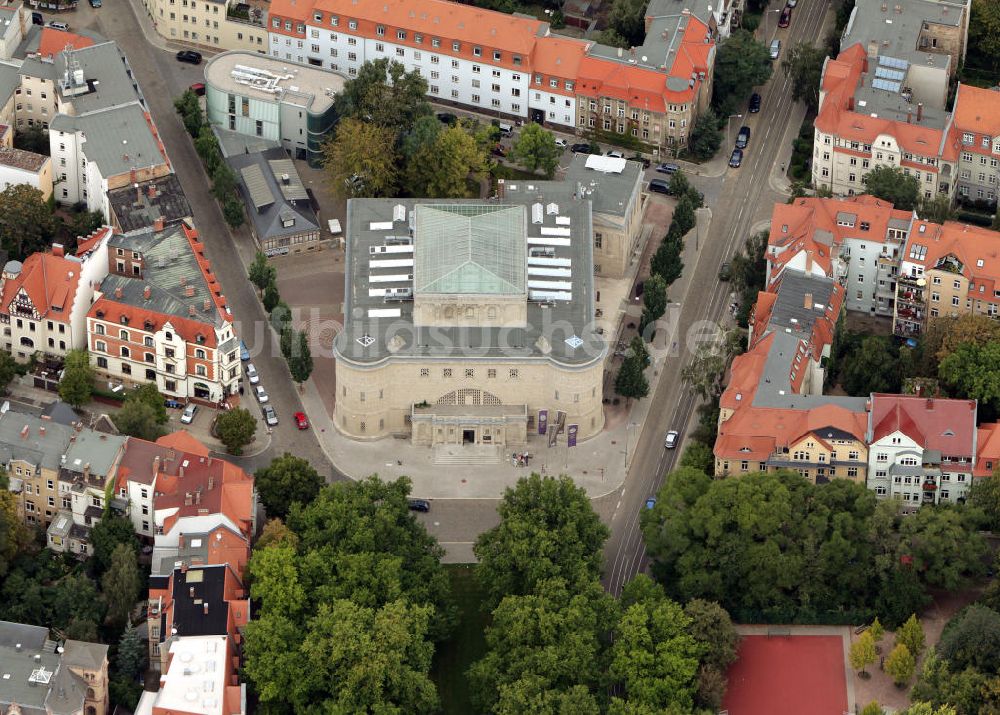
{"x": 261, "y": 394}
{"x": 58, "y": 25}
{"x": 659, "y": 186}
{"x": 505, "y": 129}
{"x": 252, "y": 375}
{"x": 95, "y": 3}
{"x": 743, "y": 138}
{"x": 447, "y": 118}
{"x": 301, "y": 421}
{"x": 173, "y": 404}
{"x": 419, "y": 505}
{"x": 189, "y": 412}
{"x": 189, "y": 56}
{"x": 725, "y": 271}
{"x": 754, "y": 103}
{"x": 670, "y": 441}
{"x": 244, "y": 352}
{"x": 736, "y": 159}
{"x": 581, "y": 148}
{"x": 615, "y": 154}
{"x": 775, "y": 49}
{"x": 786, "y": 16}
{"x": 198, "y": 88}
{"x": 651, "y": 502}
{"x": 270, "y": 416}
{"x": 37, "y": 19}
{"x": 792, "y": 3}
{"x": 646, "y": 163}
{"x": 561, "y": 143}
{"x": 498, "y": 150}
{"x": 667, "y": 168}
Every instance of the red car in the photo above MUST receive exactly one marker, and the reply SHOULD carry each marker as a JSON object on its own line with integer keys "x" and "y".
{"x": 198, "y": 88}
{"x": 786, "y": 17}
{"x": 301, "y": 420}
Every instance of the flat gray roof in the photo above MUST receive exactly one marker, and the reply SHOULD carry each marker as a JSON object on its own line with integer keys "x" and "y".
{"x": 233, "y": 143}
{"x": 559, "y": 239}
{"x": 610, "y": 192}
{"x": 117, "y": 139}
{"x": 107, "y": 77}
{"x": 96, "y": 449}
{"x": 33, "y": 439}
{"x": 255, "y": 75}
{"x": 896, "y": 34}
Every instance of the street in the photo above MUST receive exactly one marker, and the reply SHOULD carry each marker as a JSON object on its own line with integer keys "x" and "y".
{"x": 749, "y": 200}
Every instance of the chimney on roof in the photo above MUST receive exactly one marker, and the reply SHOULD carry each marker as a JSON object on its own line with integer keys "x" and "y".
{"x": 189, "y": 292}
{"x": 197, "y": 497}
{"x": 184, "y": 567}
{"x": 205, "y": 608}
{"x": 809, "y": 261}
{"x": 156, "y": 465}
{"x": 188, "y": 499}
{"x": 86, "y": 470}
{"x": 930, "y": 404}
{"x": 58, "y": 250}
{"x": 158, "y": 224}
{"x": 147, "y": 293}
{"x": 211, "y": 483}
{"x": 191, "y": 591}
{"x": 850, "y": 104}
{"x": 191, "y": 310}
{"x": 118, "y": 293}
{"x": 180, "y": 473}
{"x": 24, "y": 432}
{"x": 151, "y": 191}
{"x": 909, "y": 115}
{"x": 207, "y": 305}
{"x": 920, "y": 111}
{"x": 184, "y": 280}
{"x": 41, "y": 431}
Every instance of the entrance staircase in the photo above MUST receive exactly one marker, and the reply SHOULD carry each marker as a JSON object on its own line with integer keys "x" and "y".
{"x": 467, "y": 454}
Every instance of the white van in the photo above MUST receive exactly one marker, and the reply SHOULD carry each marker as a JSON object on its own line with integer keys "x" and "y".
{"x": 505, "y": 129}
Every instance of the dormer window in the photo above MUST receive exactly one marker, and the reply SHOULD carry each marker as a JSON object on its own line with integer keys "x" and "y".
{"x": 123, "y": 320}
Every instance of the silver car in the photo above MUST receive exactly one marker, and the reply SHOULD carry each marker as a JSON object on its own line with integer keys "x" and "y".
{"x": 188, "y": 416}
{"x": 252, "y": 375}
{"x": 261, "y": 394}
{"x": 270, "y": 416}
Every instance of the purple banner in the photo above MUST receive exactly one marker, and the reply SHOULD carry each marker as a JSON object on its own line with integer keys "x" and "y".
{"x": 543, "y": 421}
{"x": 571, "y": 435}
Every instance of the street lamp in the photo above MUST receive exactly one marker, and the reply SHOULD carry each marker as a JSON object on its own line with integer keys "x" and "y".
{"x": 629, "y": 426}
{"x": 766, "y": 22}
{"x": 729, "y": 126}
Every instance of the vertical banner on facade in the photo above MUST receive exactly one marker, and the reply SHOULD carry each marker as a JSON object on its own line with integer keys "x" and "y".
{"x": 543, "y": 421}
{"x": 571, "y": 435}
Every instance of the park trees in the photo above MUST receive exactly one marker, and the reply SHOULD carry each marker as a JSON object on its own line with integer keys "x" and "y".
{"x": 972, "y": 638}
{"x": 984, "y": 33}
{"x": 706, "y": 137}
{"x": 109, "y": 533}
{"x": 631, "y": 382}
{"x": 890, "y": 183}
{"x": 300, "y": 362}
{"x": 547, "y": 530}
{"x": 261, "y": 273}
{"x": 353, "y": 590}
{"x": 871, "y": 368}
{"x": 286, "y": 480}
{"x": 535, "y": 149}
{"x": 945, "y": 546}
{"x": 386, "y": 95}
{"x": 627, "y": 20}
{"x": 360, "y": 159}
{"x": 120, "y": 584}
{"x": 441, "y": 168}
{"x": 862, "y": 653}
{"x": 900, "y": 665}
{"x": 236, "y": 429}
{"x": 26, "y": 221}
{"x": 77, "y": 383}
{"x": 654, "y": 304}
{"x": 973, "y": 371}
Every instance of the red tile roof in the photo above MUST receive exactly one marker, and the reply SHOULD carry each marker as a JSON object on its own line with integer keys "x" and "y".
{"x": 976, "y": 110}
{"x": 975, "y": 247}
{"x": 53, "y": 41}
{"x": 987, "y": 449}
{"x": 49, "y": 281}
{"x": 948, "y": 426}
{"x": 754, "y": 433}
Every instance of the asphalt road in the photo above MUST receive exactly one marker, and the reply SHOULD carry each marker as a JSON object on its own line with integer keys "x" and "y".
{"x": 748, "y": 199}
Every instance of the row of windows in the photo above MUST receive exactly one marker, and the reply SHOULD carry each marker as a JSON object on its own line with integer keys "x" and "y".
{"x": 102, "y": 347}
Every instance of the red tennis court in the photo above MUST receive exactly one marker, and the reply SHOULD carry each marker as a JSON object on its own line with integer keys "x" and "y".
{"x": 788, "y": 675}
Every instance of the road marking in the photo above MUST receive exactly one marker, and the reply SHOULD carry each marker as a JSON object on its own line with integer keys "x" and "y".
{"x": 619, "y": 506}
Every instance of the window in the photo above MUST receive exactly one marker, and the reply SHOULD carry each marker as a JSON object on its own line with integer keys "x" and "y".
{"x": 513, "y": 373}
{"x": 425, "y": 372}
{"x": 456, "y": 46}
{"x": 446, "y": 372}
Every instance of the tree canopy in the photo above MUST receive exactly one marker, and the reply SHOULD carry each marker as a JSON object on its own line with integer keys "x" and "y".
{"x": 972, "y": 638}
{"x": 355, "y": 592}
{"x": 442, "y": 167}
{"x": 236, "y": 429}
{"x": 286, "y": 480}
{"x": 873, "y": 367}
{"x": 973, "y": 371}
{"x": 360, "y": 159}
{"x": 77, "y": 383}
{"x": 804, "y": 64}
{"x": 26, "y": 221}
{"x": 627, "y": 19}
{"x": 386, "y": 95}
{"x": 547, "y": 530}
{"x": 891, "y": 184}
{"x": 741, "y": 63}
{"x": 535, "y": 149}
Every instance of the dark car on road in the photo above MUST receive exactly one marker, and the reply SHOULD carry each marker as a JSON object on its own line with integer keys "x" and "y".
{"x": 583, "y": 148}
{"x": 743, "y": 138}
{"x": 736, "y": 159}
{"x": 660, "y": 186}
{"x": 667, "y": 168}
{"x": 420, "y": 505}
{"x": 786, "y": 17}
{"x": 189, "y": 56}
{"x": 754, "y": 103}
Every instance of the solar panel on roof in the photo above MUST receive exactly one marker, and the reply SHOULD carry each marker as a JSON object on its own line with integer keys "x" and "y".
{"x": 886, "y": 85}
{"x": 886, "y": 73}
{"x": 887, "y": 61}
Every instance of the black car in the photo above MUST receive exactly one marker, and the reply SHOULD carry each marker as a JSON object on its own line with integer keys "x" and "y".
{"x": 419, "y": 505}
{"x": 447, "y": 118}
{"x": 189, "y": 56}
{"x": 660, "y": 186}
{"x": 646, "y": 163}
{"x": 667, "y": 168}
{"x": 754, "y": 103}
{"x": 580, "y": 148}
{"x": 37, "y": 18}
{"x": 743, "y": 138}
{"x": 725, "y": 271}
{"x": 736, "y": 159}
